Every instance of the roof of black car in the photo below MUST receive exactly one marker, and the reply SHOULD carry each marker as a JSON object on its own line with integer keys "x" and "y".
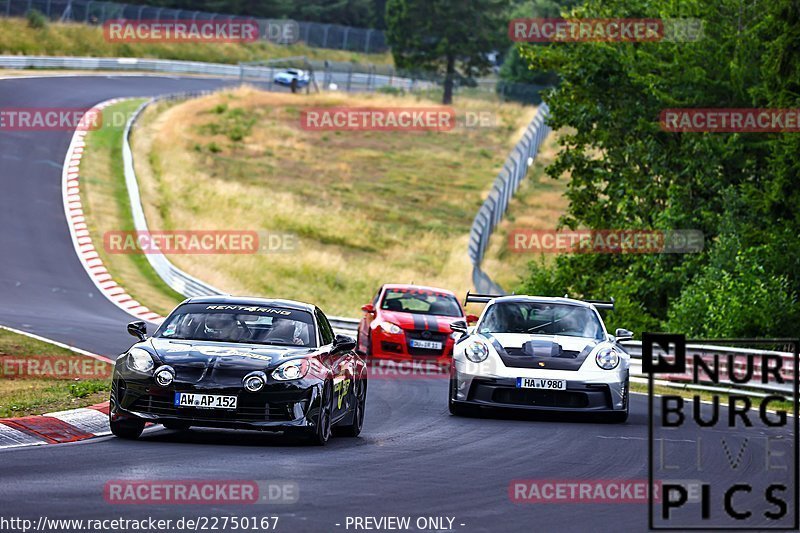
{"x": 250, "y": 301}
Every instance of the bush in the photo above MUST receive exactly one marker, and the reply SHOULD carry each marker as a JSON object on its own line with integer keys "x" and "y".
{"x": 739, "y": 300}
{"x": 36, "y": 20}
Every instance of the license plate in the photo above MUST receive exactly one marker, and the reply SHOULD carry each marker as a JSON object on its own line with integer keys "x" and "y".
{"x": 204, "y": 401}
{"x": 538, "y": 383}
{"x": 426, "y": 345}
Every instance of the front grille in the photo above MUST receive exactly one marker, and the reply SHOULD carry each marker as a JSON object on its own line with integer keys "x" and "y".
{"x": 248, "y": 410}
{"x": 542, "y": 398}
{"x": 425, "y": 335}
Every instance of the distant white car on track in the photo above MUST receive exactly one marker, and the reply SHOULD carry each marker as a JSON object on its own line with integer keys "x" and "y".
{"x": 540, "y": 353}
{"x": 285, "y": 77}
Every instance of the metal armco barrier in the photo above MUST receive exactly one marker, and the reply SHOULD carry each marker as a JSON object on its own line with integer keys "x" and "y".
{"x": 180, "y": 281}
{"x": 708, "y": 354}
{"x": 505, "y": 185}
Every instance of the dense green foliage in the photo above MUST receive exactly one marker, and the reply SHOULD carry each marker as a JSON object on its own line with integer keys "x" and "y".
{"x": 450, "y": 39}
{"x": 740, "y": 189}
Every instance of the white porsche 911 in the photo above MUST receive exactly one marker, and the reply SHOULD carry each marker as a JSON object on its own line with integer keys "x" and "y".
{"x": 540, "y": 353}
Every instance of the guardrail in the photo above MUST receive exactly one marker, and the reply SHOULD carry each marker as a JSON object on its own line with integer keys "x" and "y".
{"x": 345, "y": 77}
{"x": 708, "y": 353}
{"x": 120, "y": 64}
{"x": 180, "y": 281}
{"x": 505, "y": 185}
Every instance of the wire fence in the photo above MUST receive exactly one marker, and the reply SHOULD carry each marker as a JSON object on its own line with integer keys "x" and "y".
{"x": 318, "y": 35}
{"x": 505, "y": 185}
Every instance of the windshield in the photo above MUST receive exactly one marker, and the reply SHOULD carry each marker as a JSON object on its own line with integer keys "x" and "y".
{"x": 241, "y": 324}
{"x": 543, "y": 319}
{"x": 423, "y": 302}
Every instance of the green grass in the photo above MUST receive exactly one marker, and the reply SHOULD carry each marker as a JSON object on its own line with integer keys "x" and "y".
{"x": 108, "y": 208}
{"x": 70, "y": 39}
{"x": 367, "y": 207}
{"x": 33, "y": 396}
{"x": 707, "y": 396}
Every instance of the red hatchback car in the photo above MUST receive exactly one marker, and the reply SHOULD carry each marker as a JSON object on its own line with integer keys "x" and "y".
{"x": 407, "y": 322}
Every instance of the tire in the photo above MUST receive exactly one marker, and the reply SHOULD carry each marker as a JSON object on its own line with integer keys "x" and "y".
{"x": 321, "y": 433}
{"x": 177, "y": 426}
{"x": 353, "y": 429}
{"x": 129, "y": 429}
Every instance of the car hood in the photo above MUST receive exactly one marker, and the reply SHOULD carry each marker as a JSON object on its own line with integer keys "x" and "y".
{"x": 419, "y": 321}
{"x": 557, "y": 352}
{"x": 196, "y": 361}
{"x": 570, "y": 343}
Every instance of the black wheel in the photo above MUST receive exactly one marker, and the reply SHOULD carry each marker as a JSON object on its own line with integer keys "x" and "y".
{"x": 353, "y": 429}
{"x": 126, "y": 428}
{"x": 321, "y": 433}
{"x": 178, "y": 426}
{"x": 455, "y": 408}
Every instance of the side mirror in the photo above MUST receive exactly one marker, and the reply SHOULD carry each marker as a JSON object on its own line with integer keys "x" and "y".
{"x": 472, "y": 319}
{"x": 623, "y": 334}
{"x": 369, "y": 308}
{"x": 138, "y": 330}
{"x": 459, "y": 326}
{"x": 343, "y": 343}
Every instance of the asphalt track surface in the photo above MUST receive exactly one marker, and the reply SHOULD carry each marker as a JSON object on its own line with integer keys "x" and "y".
{"x": 412, "y": 459}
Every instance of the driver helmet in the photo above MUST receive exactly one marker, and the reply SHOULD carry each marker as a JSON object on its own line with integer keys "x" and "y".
{"x": 219, "y": 326}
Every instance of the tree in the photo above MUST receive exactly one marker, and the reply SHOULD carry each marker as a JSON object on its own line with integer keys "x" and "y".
{"x": 740, "y": 189}
{"x": 447, "y": 38}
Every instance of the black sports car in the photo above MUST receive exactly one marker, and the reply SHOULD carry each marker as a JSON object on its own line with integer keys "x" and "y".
{"x": 243, "y": 363}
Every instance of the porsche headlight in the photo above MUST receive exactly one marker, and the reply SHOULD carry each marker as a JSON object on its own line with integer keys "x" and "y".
{"x": 388, "y": 327}
{"x": 607, "y": 359}
{"x": 140, "y": 361}
{"x": 476, "y": 351}
{"x": 290, "y": 370}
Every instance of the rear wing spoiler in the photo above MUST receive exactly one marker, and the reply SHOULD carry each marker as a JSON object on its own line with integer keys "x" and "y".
{"x": 601, "y": 304}
{"x": 476, "y": 298}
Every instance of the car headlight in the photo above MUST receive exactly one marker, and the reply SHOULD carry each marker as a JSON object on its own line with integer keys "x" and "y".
{"x": 607, "y": 359}
{"x": 255, "y": 381}
{"x": 388, "y": 327}
{"x": 477, "y": 352}
{"x": 294, "y": 369}
{"x": 165, "y": 376}
{"x": 140, "y": 361}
